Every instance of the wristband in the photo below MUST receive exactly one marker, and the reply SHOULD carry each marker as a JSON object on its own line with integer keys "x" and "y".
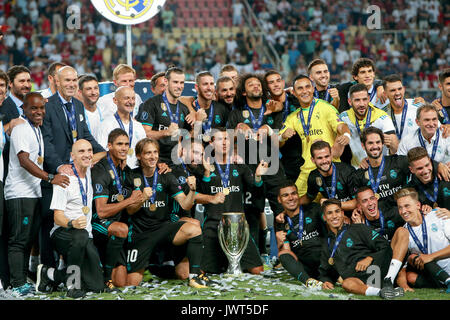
{"x": 347, "y": 135}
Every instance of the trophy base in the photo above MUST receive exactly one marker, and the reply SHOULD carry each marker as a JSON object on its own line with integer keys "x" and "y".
{"x": 234, "y": 270}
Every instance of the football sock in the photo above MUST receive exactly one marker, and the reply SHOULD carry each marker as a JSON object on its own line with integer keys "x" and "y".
{"x": 394, "y": 268}
{"x": 372, "y": 291}
{"x": 262, "y": 241}
{"x": 33, "y": 263}
{"x": 113, "y": 250}
{"x": 51, "y": 273}
{"x": 194, "y": 253}
{"x": 294, "y": 267}
{"x": 436, "y": 272}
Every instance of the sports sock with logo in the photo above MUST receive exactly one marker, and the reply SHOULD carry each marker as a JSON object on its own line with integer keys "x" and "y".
{"x": 294, "y": 267}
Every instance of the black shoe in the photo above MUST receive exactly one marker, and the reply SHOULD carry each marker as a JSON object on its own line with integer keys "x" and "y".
{"x": 43, "y": 282}
{"x": 76, "y": 293}
{"x": 389, "y": 292}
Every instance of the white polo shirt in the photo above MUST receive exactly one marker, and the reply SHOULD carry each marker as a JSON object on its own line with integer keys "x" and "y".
{"x": 94, "y": 122}
{"x": 19, "y": 182}
{"x": 412, "y": 141}
{"x": 108, "y": 107}
{"x": 410, "y": 120}
{"x": 70, "y": 201}
{"x": 110, "y": 123}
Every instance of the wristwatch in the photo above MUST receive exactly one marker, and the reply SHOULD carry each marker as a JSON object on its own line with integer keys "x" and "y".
{"x": 50, "y": 177}
{"x": 69, "y": 224}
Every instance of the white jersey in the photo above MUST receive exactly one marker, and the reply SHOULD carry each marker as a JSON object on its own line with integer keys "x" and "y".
{"x": 94, "y": 122}
{"x": 438, "y": 234}
{"x": 110, "y": 123}
{"x": 19, "y": 182}
{"x": 2, "y": 145}
{"x": 375, "y": 100}
{"x": 410, "y": 119}
{"x": 70, "y": 201}
{"x": 46, "y": 93}
{"x": 108, "y": 107}
{"x": 412, "y": 141}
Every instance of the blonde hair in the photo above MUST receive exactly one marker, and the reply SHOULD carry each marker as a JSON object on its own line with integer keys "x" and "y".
{"x": 122, "y": 69}
{"x": 405, "y": 192}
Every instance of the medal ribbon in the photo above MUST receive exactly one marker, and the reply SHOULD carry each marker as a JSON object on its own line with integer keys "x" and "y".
{"x": 300, "y": 223}
{"x": 336, "y": 243}
{"x": 225, "y": 176}
{"x": 435, "y": 144}
{"x": 71, "y": 117}
{"x": 333, "y": 183}
{"x": 368, "y": 117}
{"x": 206, "y": 125}
{"x": 116, "y": 175}
{"x": 130, "y": 126}
{"x": 155, "y": 180}
{"x": 372, "y": 94}
{"x": 37, "y": 133}
{"x": 374, "y": 184}
{"x": 285, "y": 109}
{"x": 402, "y": 123}
{"x": 256, "y": 123}
{"x": 184, "y": 167}
{"x": 424, "y": 248}
{"x": 82, "y": 190}
{"x": 173, "y": 118}
{"x": 306, "y": 127}
{"x": 444, "y": 112}
{"x": 435, "y": 191}
{"x": 327, "y": 96}
{"x": 381, "y": 222}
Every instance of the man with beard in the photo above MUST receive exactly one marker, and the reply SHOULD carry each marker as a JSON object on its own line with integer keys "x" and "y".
{"x": 319, "y": 74}
{"x": 89, "y": 92}
{"x": 443, "y": 103}
{"x": 316, "y": 119}
{"x": 226, "y": 92}
{"x": 4, "y": 81}
{"x": 363, "y": 115}
{"x": 124, "y": 99}
{"x": 158, "y": 83}
{"x": 163, "y": 115}
{"x": 428, "y": 136}
{"x": 433, "y": 193}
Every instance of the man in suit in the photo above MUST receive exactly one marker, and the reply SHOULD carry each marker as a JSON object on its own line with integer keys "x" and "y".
{"x": 64, "y": 124}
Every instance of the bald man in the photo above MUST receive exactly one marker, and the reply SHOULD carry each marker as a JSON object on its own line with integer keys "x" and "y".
{"x": 71, "y": 234}
{"x": 124, "y": 98}
{"x": 64, "y": 124}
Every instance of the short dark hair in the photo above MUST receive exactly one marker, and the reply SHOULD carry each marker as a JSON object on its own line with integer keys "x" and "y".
{"x": 228, "y": 68}
{"x": 271, "y": 73}
{"x": 314, "y": 63}
{"x": 319, "y": 145}
{"x": 4, "y": 76}
{"x": 329, "y": 202}
{"x": 202, "y": 74}
{"x": 223, "y": 79}
{"x": 15, "y": 70}
{"x": 417, "y": 153}
{"x": 52, "y": 68}
{"x": 444, "y": 75}
{"x": 391, "y": 78}
{"x": 358, "y": 87}
{"x": 299, "y": 77}
{"x": 85, "y": 78}
{"x": 361, "y": 63}
{"x": 362, "y": 189}
{"x": 114, "y": 134}
{"x": 30, "y": 95}
{"x": 173, "y": 70}
{"x": 155, "y": 78}
{"x": 371, "y": 130}
{"x": 285, "y": 184}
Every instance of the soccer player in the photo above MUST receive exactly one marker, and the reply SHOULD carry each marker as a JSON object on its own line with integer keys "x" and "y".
{"x": 429, "y": 244}
{"x": 433, "y": 192}
{"x": 230, "y": 71}
{"x": 23, "y": 189}
{"x": 158, "y": 83}
{"x": 163, "y": 115}
{"x": 124, "y": 98}
{"x": 383, "y": 220}
{"x": 72, "y": 231}
{"x": 111, "y": 197}
{"x": 349, "y": 250}
{"x": 51, "y": 73}
{"x": 428, "y": 136}
{"x": 226, "y": 92}
{"x": 4, "y": 81}
{"x": 362, "y": 115}
{"x": 123, "y": 75}
{"x": 150, "y": 225}
{"x": 443, "y": 103}
{"x": 402, "y": 111}
{"x": 319, "y": 74}
{"x": 333, "y": 180}
{"x": 223, "y": 176}
{"x": 89, "y": 93}
{"x": 316, "y": 119}
{"x": 298, "y": 238}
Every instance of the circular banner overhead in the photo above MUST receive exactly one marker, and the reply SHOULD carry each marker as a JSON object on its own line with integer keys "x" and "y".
{"x": 128, "y": 11}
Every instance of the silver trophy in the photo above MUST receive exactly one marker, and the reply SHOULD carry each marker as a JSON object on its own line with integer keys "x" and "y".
{"x": 233, "y": 238}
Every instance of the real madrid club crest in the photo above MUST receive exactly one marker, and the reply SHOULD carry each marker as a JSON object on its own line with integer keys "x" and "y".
{"x": 318, "y": 181}
{"x": 128, "y": 11}
{"x": 245, "y": 113}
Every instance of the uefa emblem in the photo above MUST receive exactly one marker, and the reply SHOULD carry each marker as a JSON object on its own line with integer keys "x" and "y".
{"x": 128, "y": 11}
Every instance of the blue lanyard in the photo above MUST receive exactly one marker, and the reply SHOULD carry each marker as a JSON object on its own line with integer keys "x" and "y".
{"x": 173, "y": 118}
{"x": 72, "y": 119}
{"x": 82, "y": 190}
{"x": 256, "y": 124}
{"x": 423, "y": 248}
{"x": 327, "y": 96}
{"x": 116, "y": 175}
{"x": 206, "y": 125}
{"x": 435, "y": 191}
{"x": 368, "y": 117}
{"x": 435, "y": 144}
{"x": 333, "y": 183}
{"x": 225, "y": 176}
{"x": 184, "y": 166}
{"x": 374, "y": 184}
{"x": 306, "y": 127}
{"x": 372, "y": 94}
{"x": 155, "y": 180}
{"x": 381, "y": 222}
{"x": 445, "y": 114}
{"x": 285, "y": 109}
{"x": 87, "y": 118}
{"x": 336, "y": 243}
{"x": 130, "y": 126}
{"x": 37, "y": 133}
{"x": 300, "y": 223}
{"x": 402, "y": 123}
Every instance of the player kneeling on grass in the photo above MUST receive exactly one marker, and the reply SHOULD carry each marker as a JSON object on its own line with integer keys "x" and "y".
{"x": 150, "y": 225}
{"x": 349, "y": 250}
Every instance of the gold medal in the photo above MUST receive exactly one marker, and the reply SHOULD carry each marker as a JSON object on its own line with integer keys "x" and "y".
{"x": 212, "y": 167}
{"x": 40, "y": 160}
{"x": 245, "y": 113}
{"x": 74, "y": 134}
{"x": 120, "y": 197}
{"x": 137, "y": 182}
{"x": 206, "y": 138}
{"x": 153, "y": 207}
{"x": 377, "y": 195}
{"x": 435, "y": 205}
{"x": 85, "y": 209}
{"x": 130, "y": 151}
{"x": 307, "y": 139}
{"x": 226, "y": 191}
{"x": 331, "y": 261}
